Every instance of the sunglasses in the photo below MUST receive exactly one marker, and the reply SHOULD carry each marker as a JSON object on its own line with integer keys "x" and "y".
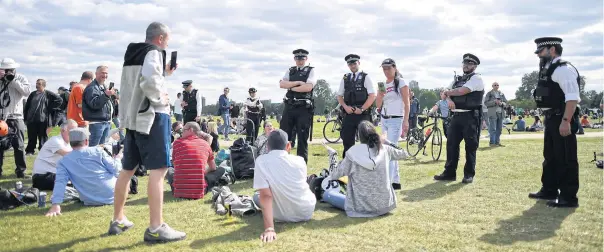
{"x": 469, "y": 63}
{"x": 300, "y": 57}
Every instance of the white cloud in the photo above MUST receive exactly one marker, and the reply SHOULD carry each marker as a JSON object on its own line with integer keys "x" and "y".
{"x": 241, "y": 44}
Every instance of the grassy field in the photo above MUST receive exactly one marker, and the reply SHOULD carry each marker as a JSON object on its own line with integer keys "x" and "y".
{"x": 492, "y": 214}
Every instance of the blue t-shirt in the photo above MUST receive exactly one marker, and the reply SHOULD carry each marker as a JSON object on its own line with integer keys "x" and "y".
{"x": 520, "y": 124}
{"x": 443, "y": 107}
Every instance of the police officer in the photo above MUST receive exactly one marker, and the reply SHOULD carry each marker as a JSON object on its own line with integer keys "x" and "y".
{"x": 191, "y": 102}
{"x": 299, "y": 81}
{"x": 557, "y": 93}
{"x": 355, "y": 95}
{"x": 253, "y": 108}
{"x": 465, "y": 102}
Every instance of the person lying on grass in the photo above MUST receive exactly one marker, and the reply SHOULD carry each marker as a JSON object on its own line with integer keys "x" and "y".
{"x": 92, "y": 171}
{"x": 369, "y": 192}
{"x": 280, "y": 178}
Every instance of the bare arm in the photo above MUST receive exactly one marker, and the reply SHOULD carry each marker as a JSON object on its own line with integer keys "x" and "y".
{"x": 211, "y": 166}
{"x": 63, "y": 152}
{"x": 341, "y": 101}
{"x": 458, "y": 91}
{"x": 368, "y": 102}
{"x": 289, "y": 84}
{"x": 266, "y": 200}
{"x": 306, "y": 87}
{"x": 406, "y": 102}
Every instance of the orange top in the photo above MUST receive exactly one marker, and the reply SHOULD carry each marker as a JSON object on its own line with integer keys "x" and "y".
{"x": 74, "y": 111}
{"x": 584, "y": 121}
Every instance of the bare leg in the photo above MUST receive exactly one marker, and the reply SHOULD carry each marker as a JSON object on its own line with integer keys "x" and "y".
{"x": 121, "y": 193}
{"x": 155, "y": 189}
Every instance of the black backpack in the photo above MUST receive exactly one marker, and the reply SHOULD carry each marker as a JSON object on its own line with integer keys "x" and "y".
{"x": 11, "y": 199}
{"x": 242, "y": 159}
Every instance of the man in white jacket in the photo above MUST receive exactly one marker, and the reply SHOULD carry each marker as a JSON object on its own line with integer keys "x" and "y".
{"x": 14, "y": 89}
{"x": 145, "y": 113}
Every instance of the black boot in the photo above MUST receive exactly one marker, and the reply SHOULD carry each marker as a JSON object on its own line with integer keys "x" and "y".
{"x": 543, "y": 195}
{"x": 444, "y": 177}
{"x": 562, "y": 203}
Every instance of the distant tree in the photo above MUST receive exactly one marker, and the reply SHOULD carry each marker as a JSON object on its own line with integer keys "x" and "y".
{"x": 324, "y": 97}
{"x": 414, "y": 85}
{"x": 529, "y": 82}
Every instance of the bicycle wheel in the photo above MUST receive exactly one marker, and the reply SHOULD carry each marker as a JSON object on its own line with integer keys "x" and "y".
{"x": 437, "y": 143}
{"x": 415, "y": 141}
{"x": 331, "y": 131}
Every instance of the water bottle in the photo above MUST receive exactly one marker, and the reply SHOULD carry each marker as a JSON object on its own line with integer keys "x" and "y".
{"x": 428, "y": 132}
{"x": 19, "y": 186}
{"x": 42, "y": 199}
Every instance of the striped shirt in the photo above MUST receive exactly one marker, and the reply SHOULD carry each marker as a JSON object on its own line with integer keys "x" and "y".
{"x": 191, "y": 155}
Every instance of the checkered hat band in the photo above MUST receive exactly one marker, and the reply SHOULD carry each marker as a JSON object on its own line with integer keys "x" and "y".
{"x": 548, "y": 43}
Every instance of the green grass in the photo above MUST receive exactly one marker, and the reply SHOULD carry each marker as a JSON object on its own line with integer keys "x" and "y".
{"x": 492, "y": 214}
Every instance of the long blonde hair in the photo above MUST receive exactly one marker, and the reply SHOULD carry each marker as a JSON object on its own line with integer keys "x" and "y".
{"x": 212, "y": 128}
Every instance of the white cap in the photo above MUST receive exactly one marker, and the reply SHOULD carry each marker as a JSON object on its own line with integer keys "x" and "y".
{"x": 8, "y": 63}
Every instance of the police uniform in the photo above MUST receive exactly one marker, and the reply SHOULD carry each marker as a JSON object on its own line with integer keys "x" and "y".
{"x": 355, "y": 89}
{"x": 298, "y": 106}
{"x": 253, "y": 108}
{"x": 465, "y": 123}
{"x": 193, "y": 100}
{"x": 558, "y": 83}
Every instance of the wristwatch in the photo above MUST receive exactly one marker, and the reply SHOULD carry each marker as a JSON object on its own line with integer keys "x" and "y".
{"x": 362, "y": 110}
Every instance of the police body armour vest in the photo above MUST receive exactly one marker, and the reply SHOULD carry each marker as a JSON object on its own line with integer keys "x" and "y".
{"x": 548, "y": 93}
{"x": 470, "y": 101}
{"x": 299, "y": 75}
{"x": 355, "y": 93}
{"x": 254, "y": 109}
{"x": 191, "y": 100}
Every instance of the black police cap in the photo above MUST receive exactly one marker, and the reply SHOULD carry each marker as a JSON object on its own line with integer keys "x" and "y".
{"x": 187, "y": 83}
{"x": 300, "y": 52}
{"x": 471, "y": 57}
{"x": 252, "y": 90}
{"x": 547, "y": 41}
{"x": 352, "y": 58}
{"x": 388, "y": 62}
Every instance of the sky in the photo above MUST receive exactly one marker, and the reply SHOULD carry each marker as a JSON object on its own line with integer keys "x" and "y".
{"x": 242, "y": 44}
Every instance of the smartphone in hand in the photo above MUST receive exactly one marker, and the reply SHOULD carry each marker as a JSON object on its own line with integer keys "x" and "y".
{"x": 381, "y": 87}
{"x": 111, "y": 84}
{"x": 173, "y": 60}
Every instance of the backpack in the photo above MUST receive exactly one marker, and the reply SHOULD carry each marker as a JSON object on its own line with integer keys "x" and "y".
{"x": 10, "y": 199}
{"x": 242, "y": 159}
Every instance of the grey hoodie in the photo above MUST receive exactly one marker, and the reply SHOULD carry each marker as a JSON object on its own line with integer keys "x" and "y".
{"x": 369, "y": 191}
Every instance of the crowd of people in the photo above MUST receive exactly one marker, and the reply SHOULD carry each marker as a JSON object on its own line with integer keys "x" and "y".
{"x": 88, "y": 155}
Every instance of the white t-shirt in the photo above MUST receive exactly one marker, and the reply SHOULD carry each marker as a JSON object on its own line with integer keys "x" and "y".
{"x": 48, "y": 157}
{"x": 285, "y": 175}
{"x": 177, "y": 107}
{"x": 393, "y": 100}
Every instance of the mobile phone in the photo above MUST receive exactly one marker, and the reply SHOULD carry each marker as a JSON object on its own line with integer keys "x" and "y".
{"x": 381, "y": 87}
{"x": 111, "y": 84}
{"x": 173, "y": 60}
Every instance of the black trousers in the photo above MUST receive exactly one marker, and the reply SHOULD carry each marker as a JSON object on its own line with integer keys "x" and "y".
{"x": 298, "y": 117}
{"x": 36, "y": 132}
{"x": 251, "y": 130}
{"x": 463, "y": 126}
{"x": 44, "y": 182}
{"x": 189, "y": 116}
{"x": 15, "y": 138}
{"x": 350, "y": 126}
{"x": 560, "y": 165}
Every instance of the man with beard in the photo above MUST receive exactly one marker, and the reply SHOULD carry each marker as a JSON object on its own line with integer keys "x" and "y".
{"x": 465, "y": 102}
{"x": 557, "y": 93}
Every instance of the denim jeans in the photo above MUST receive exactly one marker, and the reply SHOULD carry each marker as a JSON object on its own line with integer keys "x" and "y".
{"x": 226, "y": 119}
{"x": 393, "y": 128}
{"x": 335, "y": 198}
{"x": 116, "y": 121}
{"x": 98, "y": 132}
{"x": 495, "y": 125}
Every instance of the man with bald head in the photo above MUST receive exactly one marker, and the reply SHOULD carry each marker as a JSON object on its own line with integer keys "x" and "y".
{"x": 495, "y": 101}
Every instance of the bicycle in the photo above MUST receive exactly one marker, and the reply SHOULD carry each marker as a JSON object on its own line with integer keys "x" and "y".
{"x": 417, "y": 137}
{"x": 332, "y": 128}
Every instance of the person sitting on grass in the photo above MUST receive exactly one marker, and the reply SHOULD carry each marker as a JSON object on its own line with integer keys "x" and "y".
{"x": 537, "y": 125}
{"x": 193, "y": 161}
{"x": 213, "y": 131}
{"x": 45, "y": 166}
{"x": 91, "y": 170}
{"x": 260, "y": 143}
{"x": 519, "y": 125}
{"x": 585, "y": 122}
{"x": 280, "y": 181}
{"x": 369, "y": 192}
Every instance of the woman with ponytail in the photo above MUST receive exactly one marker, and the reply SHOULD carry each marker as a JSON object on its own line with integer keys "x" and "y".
{"x": 369, "y": 192}
{"x": 393, "y": 103}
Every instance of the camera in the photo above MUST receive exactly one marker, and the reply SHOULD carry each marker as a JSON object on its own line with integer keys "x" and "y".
{"x": 8, "y": 77}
